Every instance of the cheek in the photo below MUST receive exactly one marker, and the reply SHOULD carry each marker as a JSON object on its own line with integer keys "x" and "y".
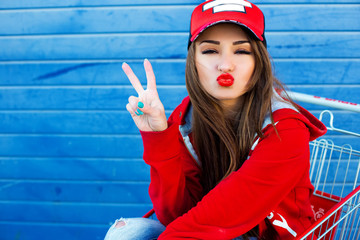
{"x": 249, "y": 75}
{"x": 248, "y": 68}
{"x": 202, "y": 69}
{"x": 205, "y": 77}
{"x": 251, "y": 69}
{"x": 202, "y": 73}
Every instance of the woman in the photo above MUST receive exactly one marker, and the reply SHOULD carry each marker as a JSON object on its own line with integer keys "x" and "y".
{"x": 232, "y": 160}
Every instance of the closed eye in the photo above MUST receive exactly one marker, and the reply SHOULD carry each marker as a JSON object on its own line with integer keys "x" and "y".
{"x": 209, "y": 51}
{"x": 242, "y": 52}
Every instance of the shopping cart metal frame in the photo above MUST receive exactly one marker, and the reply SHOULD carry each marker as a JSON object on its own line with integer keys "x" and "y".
{"x": 336, "y": 199}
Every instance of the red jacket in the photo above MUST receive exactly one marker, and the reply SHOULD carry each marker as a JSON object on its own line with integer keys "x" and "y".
{"x": 274, "y": 181}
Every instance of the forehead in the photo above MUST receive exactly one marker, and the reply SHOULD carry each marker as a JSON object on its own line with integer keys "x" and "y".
{"x": 223, "y": 31}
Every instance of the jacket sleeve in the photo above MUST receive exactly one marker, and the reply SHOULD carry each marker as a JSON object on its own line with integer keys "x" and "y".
{"x": 175, "y": 185}
{"x": 247, "y": 196}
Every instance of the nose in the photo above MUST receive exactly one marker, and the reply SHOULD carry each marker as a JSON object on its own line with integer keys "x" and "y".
{"x": 226, "y": 64}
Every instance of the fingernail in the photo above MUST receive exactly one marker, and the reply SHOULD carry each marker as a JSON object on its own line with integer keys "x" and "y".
{"x": 139, "y": 112}
{"x": 140, "y": 104}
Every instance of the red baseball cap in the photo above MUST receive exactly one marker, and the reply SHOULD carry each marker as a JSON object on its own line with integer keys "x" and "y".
{"x": 240, "y": 12}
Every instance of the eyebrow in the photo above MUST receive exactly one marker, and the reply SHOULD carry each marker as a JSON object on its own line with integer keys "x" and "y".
{"x": 218, "y": 43}
{"x": 210, "y": 41}
{"x": 241, "y": 42}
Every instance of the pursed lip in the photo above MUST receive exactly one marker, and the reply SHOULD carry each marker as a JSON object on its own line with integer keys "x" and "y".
{"x": 225, "y": 80}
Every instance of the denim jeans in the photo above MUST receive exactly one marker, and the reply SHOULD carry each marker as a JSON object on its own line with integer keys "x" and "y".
{"x": 139, "y": 229}
{"x": 135, "y": 228}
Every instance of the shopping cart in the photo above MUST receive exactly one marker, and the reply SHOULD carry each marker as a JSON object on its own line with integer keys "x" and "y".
{"x": 336, "y": 201}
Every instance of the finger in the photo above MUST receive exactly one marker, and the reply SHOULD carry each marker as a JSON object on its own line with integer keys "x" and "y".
{"x": 150, "y": 76}
{"x": 132, "y": 77}
{"x": 130, "y": 110}
{"x": 132, "y": 106}
{"x": 133, "y": 102}
{"x": 136, "y": 105}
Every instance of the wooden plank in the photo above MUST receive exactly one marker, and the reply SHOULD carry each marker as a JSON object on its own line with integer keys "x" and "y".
{"x": 168, "y": 72}
{"x": 113, "y": 46}
{"x": 84, "y": 122}
{"x": 85, "y": 98}
{"x": 9, "y": 4}
{"x": 96, "y": 20}
{"x": 169, "y": 45}
{"x": 167, "y": 18}
{"x": 69, "y": 191}
{"x": 18, "y": 4}
{"x": 78, "y": 122}
{"x": 59, "y": 212}
{"x": 72, "y": 147}
{"x": 36, "y": 231}
{"x": 317, "y": 71}
{"x": 313, "y": 44}
{"x": 70, "y": 122}
{"x": 115, "y": 98}
{"x": 304, "y": 17}
{"x": 75, "y": 169}
{"x": 111, "y": 146}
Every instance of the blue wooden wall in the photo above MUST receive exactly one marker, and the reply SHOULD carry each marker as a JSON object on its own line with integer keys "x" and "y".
{"x": 70, "y": 156}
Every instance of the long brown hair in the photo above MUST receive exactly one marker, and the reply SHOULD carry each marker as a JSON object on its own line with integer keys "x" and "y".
{"x": 223, "y": 142}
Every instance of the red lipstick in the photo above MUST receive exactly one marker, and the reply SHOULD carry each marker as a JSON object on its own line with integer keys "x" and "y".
{"x": 225, "y": 80}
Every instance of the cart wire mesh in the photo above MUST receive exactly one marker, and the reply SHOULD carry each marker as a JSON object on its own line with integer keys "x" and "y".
{"x": 334, "y": 173}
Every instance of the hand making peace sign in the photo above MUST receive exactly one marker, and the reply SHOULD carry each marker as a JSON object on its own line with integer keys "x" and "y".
{"x": 146, "y": 110}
